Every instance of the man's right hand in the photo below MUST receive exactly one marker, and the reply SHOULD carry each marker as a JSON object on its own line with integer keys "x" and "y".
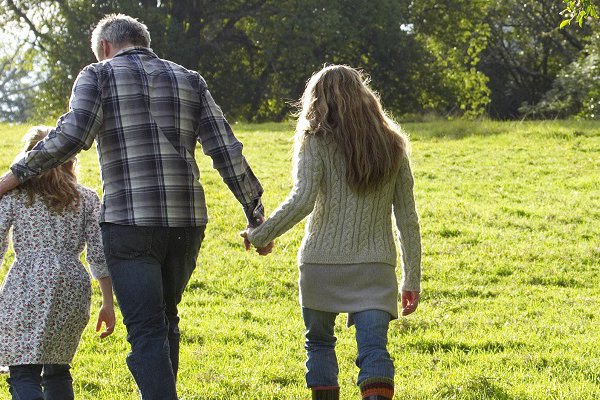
{"x": 7, "y": 183}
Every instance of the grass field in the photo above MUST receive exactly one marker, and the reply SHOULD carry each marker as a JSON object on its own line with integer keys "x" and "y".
{"x": 510, "y": 216}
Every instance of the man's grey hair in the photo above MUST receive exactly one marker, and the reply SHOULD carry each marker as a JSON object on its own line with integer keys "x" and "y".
{"x": 119, "y": 29}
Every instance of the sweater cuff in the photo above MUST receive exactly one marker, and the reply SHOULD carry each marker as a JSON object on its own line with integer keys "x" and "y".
{"x": 411, "y": 286}
{"x": 255, "y": 237}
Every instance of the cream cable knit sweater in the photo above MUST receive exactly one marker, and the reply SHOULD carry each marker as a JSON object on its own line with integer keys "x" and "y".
{"x": 346, "y": 227}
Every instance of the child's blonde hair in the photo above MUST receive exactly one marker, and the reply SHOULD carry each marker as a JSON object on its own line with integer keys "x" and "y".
{"x": 56, "y": 187}
{"x": 338, "y": 102}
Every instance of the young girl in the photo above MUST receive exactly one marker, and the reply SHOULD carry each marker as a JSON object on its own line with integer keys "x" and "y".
{"x": 45, "y": 297}
{"x": 351, "y": 170}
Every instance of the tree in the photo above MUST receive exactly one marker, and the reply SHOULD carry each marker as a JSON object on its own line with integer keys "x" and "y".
{"x": 450, "y": 57}
{"x": 453, "y": 34}
{"x": 574, "y": 92}
{"x": 256, "y": 55}
{"x": 525, "y": 52}
{"x": 19, "y": 80}
{"x": 17, "y": 85}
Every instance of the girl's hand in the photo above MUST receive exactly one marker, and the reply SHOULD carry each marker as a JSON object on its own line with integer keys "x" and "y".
{"x": 106, "y": 315}
{"x": 410, "y": 302}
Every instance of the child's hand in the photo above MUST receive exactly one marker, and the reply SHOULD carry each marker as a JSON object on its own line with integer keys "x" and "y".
{"x": 106, "y": 315}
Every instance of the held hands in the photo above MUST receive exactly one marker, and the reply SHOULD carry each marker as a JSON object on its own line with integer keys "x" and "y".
{"x": 263, "y": 251}
{"x": 410, "y": 302}
{"x": 106, "y": 315}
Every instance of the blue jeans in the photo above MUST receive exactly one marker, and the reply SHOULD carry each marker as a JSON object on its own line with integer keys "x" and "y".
{"x": 371, "y": 337}
{"x": 26, "y": 382}
{"x": 150, "y": 268}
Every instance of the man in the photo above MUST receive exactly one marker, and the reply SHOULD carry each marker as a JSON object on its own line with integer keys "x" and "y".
{"x": 146, "y": 114}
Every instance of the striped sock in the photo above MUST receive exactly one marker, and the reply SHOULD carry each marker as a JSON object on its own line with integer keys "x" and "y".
{"x": 377, "y": 389}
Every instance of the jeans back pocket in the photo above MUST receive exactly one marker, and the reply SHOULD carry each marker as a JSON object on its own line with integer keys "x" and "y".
{"x": 129, "y": 241}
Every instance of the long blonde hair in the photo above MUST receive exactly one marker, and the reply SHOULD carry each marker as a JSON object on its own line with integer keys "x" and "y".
{"x": 338, "y": 102}
{"x": 56, "y": 187}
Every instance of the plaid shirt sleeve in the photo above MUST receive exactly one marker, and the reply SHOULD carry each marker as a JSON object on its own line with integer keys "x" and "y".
{"x": 219, "y": 142}
{"x": 74, "y": 131}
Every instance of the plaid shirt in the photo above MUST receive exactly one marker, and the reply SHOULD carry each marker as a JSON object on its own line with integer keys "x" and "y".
{"x": 146, "y": 115}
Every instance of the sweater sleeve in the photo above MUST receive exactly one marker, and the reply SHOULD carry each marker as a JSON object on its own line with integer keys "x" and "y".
{"x": 300, "y": 202}
{"x": 6, "y": 219}
{"x": 95, "y": 251}
{"x": 407, "y": 222}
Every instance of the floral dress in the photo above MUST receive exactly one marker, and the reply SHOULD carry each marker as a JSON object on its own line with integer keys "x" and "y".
{"x": 45, "y": 296}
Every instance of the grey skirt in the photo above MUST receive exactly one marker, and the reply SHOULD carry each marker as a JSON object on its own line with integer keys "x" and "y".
{"x": 349, "y": 288}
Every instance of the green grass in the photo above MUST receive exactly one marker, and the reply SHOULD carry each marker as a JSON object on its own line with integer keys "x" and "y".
{"x": 510, "y": 215}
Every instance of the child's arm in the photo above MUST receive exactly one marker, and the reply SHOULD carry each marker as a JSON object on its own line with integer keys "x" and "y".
{"x": 407, "y": 221}
{"x": 107, "y": 311}
{"x": 6, "y": 218}
{"x": 97, "y": 261}
{"x": 93, "y": 236}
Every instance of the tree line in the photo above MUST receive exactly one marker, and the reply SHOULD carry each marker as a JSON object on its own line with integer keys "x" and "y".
{"x": 504, "y": 59}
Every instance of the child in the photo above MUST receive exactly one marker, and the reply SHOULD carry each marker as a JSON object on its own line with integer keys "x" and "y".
{"x": 45, "y": 297}
{"x": 350, "y": 168}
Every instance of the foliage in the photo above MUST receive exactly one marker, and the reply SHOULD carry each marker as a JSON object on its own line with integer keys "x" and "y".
{"x": 256, "y": 55}
{"x": 17, "y": 90}
{"x": 525, "y": 52}
{"x": 579, "y": 10}
{"x": 511, "y": 287}
{"x": 18, "y": 82}
{"x": 60, "y": 31}
{"x": 448, "y": 58}
{"x": 453, "y": 38}
{"x": 573, "y": 92}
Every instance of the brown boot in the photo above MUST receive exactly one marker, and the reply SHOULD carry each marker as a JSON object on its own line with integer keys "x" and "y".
{"x": 326, "y": 393}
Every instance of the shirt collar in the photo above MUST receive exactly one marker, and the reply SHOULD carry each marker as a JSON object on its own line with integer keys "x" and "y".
{"x": 135, "y": 50}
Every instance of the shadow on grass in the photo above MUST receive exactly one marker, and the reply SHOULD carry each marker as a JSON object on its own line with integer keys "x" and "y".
{"x": 284, "y": 380}
{"x": 476, "y": 388}
{"x": 460, "y": 293}
{"x": 90, "y": 386}
{"x": 191, "y": 339}
{"x": 449, "y": 346}
{"x": 286, "y": 127}
{"x": 458, "y": 129}
{"x": 558, "y": 281}
{"x": 197, "y": 285}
